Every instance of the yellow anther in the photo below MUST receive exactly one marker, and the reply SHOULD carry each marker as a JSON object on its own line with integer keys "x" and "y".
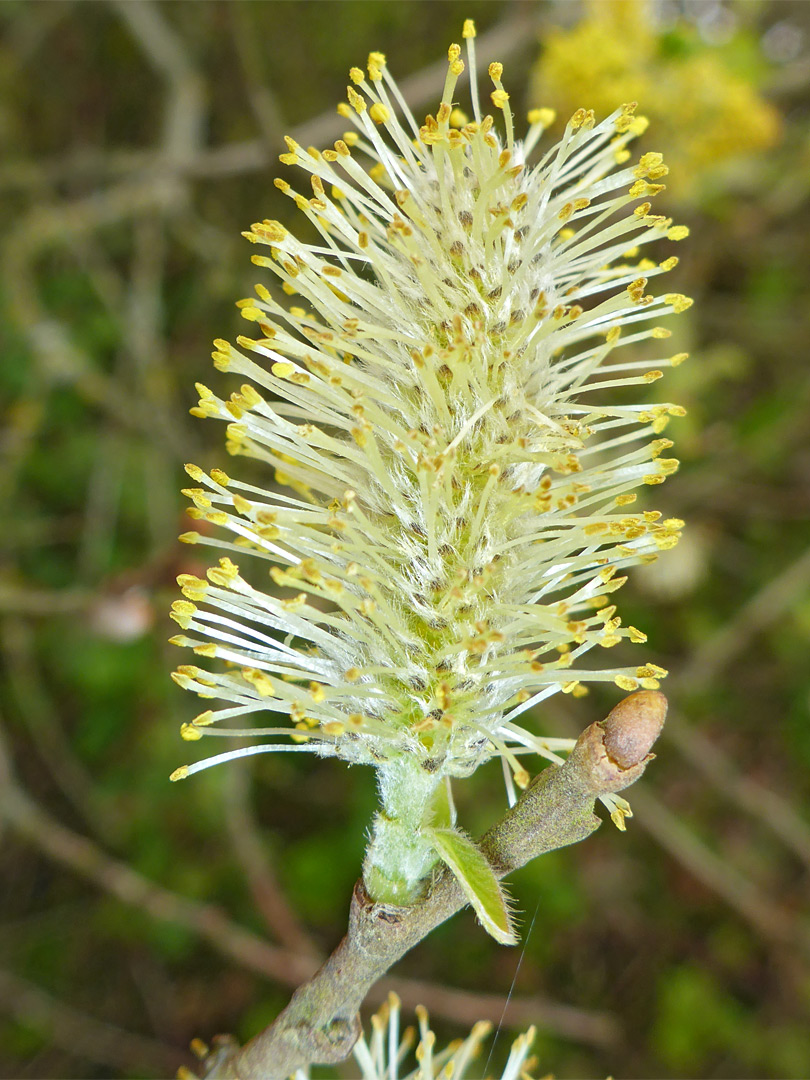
{"x": 250, "y": 396}
{"x": 544, "y": 117}
{"x": 668, "y": 465}
{"x": 375, "y": 64}
{"x": 198, "y": 1048}
{"x": 625, "y": 119}
{"x": 259, "y": 681}
{"x": 317, "y": 692}
{"x": 657, "y": 446}
{"x": 357, "y": 102}
{"x": 624, "y": 682}
{"x": 379, "y": 113}
{"x": 578, "y": 119}
{"x": 650, "y": 160}
{"x": 678, "y": 301}
{"x": 241, "y": 505}
{"x": 191, "y": 581}
{"x": 469, "y": 29}
{"x": 521, "y": 777}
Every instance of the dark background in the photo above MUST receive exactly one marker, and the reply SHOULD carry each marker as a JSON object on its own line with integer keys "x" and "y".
{"x": 137, "y": 141}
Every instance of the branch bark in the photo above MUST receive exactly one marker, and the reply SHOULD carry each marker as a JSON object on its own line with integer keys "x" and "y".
{"x": 284, "y": 965}
{"x": 322, "y": 1023}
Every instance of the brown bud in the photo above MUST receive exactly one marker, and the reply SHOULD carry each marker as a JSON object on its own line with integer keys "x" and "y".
{"x": 631, "y": 728}
{"x": 613, "y": 753}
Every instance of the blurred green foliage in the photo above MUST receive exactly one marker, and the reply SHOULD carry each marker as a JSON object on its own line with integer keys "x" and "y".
{"x": 135, "y": 149}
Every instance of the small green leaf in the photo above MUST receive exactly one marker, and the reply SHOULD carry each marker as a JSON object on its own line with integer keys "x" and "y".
{"x": 477, "y": 879}
{"x": 442, "y": 808}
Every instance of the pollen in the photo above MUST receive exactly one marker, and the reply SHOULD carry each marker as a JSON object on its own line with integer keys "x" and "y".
{"x": 678, "y": 301}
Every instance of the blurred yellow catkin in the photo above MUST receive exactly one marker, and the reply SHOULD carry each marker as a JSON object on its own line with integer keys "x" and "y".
{"x": 703, "y": 112}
